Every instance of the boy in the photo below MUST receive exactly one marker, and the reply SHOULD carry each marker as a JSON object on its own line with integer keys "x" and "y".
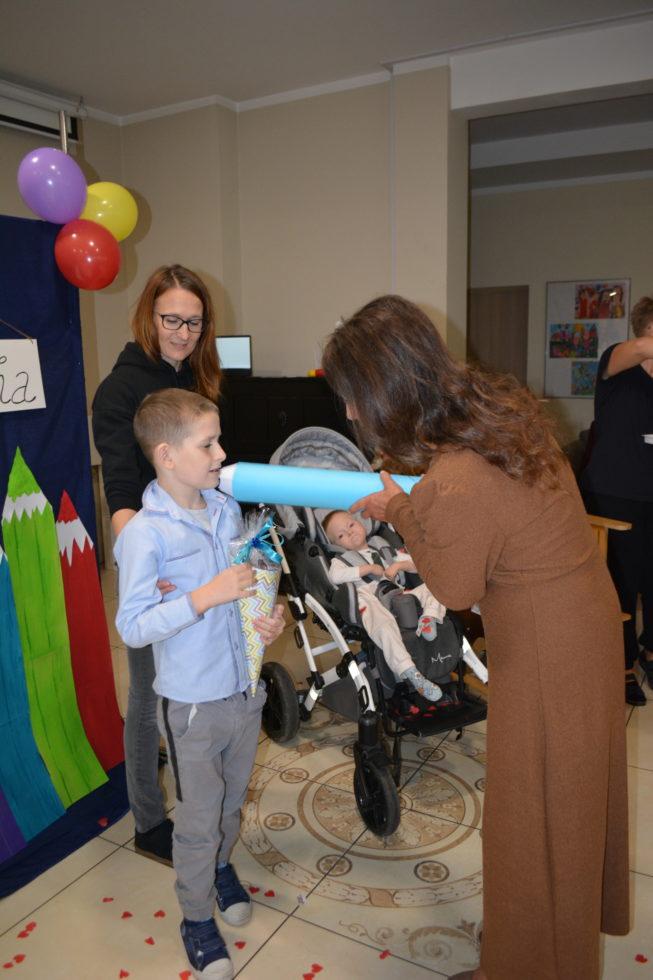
{"x": 365, "y": 566}
{"x": 206, "y": 711}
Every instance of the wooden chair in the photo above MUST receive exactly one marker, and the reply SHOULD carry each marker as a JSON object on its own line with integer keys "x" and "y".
{"x": 601, "y": 526}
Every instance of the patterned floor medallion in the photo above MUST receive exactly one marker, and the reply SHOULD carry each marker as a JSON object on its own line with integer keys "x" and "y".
{"x": 441, "y": 808}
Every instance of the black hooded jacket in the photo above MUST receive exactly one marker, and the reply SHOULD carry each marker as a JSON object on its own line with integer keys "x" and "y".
{"x": 125, "y": 470}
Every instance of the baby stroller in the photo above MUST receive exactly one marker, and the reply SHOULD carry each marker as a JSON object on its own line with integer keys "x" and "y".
{"x": 361, "y": 686}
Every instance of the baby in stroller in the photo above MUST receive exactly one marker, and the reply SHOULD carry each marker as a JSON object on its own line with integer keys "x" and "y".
{"x": 374, "y": 567}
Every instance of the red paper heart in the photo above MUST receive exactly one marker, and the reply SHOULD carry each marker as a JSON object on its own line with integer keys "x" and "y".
{"x": 103, "y": 821}
{"x": 185, "y": 975}
{"x": 253, "y": 889}
{"x": 126, "y": 915}
{"x": 308, "y": 976}
{"x": 160, "y": 914}
{"x": 640, "y": 958}
{"x": 123, "y": 973}
{"x": 269, "y": 893}
{"x": 240, "y": 944}
{"x": 384, "y": 954}
{"x": 7, "y": 966}
{"x": 19, "y": 957}
{"x": 316, "y": 968}
{"x": 24, "y": 934}
{"x": 107, "y": 900}
{"x": 150, "y": 941}
{"x": 30, "y": 926}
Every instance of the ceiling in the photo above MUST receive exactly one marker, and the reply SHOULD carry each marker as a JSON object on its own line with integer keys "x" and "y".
{"x": 125, "y": 58}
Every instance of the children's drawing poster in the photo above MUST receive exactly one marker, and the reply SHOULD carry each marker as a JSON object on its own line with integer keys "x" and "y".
{"x": 583, "y": 317}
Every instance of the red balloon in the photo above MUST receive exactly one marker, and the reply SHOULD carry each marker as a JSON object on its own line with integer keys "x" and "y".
{"x": 87, "y": 254}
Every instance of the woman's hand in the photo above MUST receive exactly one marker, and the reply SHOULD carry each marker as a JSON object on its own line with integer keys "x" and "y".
{"x": 271, "y": 627}
{"x": 375, "y": 504}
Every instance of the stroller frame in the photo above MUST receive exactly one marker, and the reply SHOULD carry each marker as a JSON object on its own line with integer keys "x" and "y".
{"x": 358, "y": 678}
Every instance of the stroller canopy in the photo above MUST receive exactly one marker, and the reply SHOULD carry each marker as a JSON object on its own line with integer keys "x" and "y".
{"x": 321, "y": 448}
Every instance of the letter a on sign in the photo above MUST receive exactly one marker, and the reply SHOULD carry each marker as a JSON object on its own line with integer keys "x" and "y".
{"x": 21, "y": 382}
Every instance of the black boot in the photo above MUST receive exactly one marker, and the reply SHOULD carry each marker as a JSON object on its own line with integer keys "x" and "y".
{"x": 156, "y": 843}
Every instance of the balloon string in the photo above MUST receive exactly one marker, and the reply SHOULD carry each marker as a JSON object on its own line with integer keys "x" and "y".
{"x": 12, "y": 327}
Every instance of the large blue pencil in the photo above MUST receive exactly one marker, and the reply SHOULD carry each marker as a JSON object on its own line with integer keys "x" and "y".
{"x": 302, "y": 486}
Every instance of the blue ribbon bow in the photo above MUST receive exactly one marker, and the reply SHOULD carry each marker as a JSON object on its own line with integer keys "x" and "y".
{"x": 260, "y": 542}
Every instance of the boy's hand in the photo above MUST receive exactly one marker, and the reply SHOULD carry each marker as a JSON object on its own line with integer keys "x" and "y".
{"x": 393, "y": 570}
{"x": 165, "y": 586}
{"x": 372, "y": 570}
{"x": 271, "y": 627}
{"x": 234, "y": 583}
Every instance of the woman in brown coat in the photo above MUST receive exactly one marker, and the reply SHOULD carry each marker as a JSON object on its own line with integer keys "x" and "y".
{"x": 497, "y": 520}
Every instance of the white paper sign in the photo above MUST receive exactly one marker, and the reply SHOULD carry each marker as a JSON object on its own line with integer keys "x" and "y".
{"x": 21, "y": 383}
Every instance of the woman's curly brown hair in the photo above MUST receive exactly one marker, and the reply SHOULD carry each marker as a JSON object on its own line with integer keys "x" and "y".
{"x": 412, "y": 399}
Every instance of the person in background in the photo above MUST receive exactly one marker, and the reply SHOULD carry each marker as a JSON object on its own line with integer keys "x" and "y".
{"x": 617, "y": 482}
{"x": 174, "y": 346}
{"x": 497, "y": 520}
{"x": 206, "y": 710}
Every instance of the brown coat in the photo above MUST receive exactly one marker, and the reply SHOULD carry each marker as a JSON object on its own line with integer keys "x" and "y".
{"x": 555, "y": 833}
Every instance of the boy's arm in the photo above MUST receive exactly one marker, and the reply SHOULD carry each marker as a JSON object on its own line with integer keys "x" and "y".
{"x": 339, "y": 572}
{"x": 392, "y": 570}
{"x": 142, "y": 617}
{"x": 233, "y": 583}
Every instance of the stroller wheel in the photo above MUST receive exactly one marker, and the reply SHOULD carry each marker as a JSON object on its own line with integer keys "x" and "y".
{"x": 376, "y": 798}
{"x": 281, "y": 711}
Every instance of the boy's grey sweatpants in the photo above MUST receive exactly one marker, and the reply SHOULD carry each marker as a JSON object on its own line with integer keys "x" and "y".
{"x": 211, "y": 750}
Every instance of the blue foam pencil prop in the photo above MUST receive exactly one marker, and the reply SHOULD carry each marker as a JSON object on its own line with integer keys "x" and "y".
{"x": 302, "y": 486}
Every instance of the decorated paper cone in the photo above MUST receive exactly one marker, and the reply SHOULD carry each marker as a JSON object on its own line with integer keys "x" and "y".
{"x": 259, "y": 604}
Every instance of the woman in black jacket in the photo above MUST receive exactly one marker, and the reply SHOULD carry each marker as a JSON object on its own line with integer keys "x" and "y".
{"x": 173, "y": 346}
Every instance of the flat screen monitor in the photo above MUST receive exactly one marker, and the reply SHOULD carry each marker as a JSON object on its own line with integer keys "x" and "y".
{"x": 235, "y": 353}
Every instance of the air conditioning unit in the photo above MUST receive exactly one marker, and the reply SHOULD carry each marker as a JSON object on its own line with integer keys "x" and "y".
{"x": 35, "y": 112}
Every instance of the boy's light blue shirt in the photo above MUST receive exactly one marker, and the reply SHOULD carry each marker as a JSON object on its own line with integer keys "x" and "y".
{"x": 197, "y": 658}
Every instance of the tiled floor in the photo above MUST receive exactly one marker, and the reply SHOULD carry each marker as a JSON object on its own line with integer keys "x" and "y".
{"x": 329, "y": 897}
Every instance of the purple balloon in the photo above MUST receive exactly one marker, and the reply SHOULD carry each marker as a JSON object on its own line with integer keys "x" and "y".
{"x": 52, "y": 185}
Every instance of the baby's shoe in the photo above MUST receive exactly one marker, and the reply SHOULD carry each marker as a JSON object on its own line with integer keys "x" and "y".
{"x": 422, "y": 685}
{"x": 426, "y": 627}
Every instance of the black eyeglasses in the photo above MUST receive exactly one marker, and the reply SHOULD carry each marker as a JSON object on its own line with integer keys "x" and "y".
{"x": 170, "y": 321}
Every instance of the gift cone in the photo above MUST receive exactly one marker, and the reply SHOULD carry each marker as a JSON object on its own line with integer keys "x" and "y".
{"x": 259, "y": 603}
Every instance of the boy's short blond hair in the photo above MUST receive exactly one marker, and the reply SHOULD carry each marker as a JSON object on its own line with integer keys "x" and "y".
{"x": 168, "y": 416}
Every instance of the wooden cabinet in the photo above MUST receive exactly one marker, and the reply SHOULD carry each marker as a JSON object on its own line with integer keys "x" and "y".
{"x": 258, "y": 414}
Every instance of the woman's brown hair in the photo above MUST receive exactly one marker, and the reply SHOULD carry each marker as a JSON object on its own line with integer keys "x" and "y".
{"x": 204, "y": 360}
{"x": 413, "y": 399}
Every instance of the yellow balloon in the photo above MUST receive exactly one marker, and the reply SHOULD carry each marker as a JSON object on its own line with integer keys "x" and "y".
{"x": 112, "y": 206}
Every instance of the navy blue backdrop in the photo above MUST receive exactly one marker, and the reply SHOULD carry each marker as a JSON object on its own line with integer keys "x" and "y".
{"x": 36, "y": 298}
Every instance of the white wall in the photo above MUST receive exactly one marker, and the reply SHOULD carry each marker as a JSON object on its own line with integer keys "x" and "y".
{"x": 590, "y": 231}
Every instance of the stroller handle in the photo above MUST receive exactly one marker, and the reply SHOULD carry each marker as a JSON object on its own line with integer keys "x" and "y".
{"x": 302, "y": 486}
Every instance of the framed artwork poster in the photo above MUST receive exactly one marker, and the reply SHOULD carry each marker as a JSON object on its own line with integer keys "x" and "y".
{"x": 583, "y": 318}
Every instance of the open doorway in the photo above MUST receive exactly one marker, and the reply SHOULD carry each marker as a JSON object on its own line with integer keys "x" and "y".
{"x": 497, "y": 329}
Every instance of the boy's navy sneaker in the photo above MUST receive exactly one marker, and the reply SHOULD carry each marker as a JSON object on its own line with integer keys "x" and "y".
{"x": 234, "y": 903}
{"x": 206, "y": 951}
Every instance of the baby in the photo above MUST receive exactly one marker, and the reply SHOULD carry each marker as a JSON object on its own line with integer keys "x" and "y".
{"x": 364, "y": 565}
